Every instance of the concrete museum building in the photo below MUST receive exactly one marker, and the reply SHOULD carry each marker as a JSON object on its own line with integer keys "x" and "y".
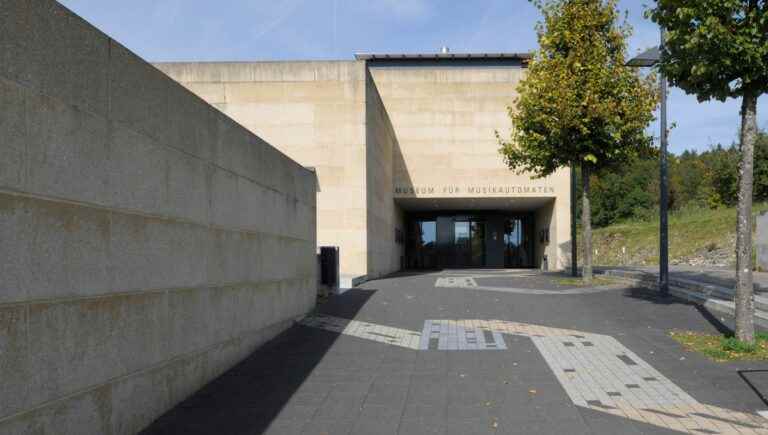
{"x": 408, "y": 170}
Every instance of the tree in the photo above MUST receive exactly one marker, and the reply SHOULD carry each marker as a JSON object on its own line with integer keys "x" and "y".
{"x": 579, "y": 105}
{"x": 719, "y": 49}
{"x": 689, "y": 180}
{"x": 625, "y": 194}
{"x": 761, "y": 168}
{"x": 722, "y": 164}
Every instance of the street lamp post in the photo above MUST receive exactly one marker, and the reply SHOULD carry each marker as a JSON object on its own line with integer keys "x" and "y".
{"x": 664, "y": 186}
{"x": 650, "y": 58}
{"x": 574, "y": 241}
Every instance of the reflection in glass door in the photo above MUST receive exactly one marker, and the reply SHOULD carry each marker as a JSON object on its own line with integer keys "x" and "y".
{"x": 469, "y": 243}
{"x": 422, "y": 240}
{"x": 518, "y": 249}
{"x": 477, "y": 240}
{"x": 461, "y": 252}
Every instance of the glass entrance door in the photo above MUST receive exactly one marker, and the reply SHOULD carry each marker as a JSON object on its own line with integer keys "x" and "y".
{"x": 461, "y": 244}
{"x": 421, "y": 251}
{"x": 477, "y": 243}
{"x": 469, "y": 243}
{"x": 518, "y": 246}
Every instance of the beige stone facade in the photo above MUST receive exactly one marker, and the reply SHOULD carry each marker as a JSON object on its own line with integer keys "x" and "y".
{"x": 391, "y": 138}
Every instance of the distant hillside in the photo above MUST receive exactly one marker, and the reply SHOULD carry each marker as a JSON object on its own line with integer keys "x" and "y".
{"x": 697, "y": 237}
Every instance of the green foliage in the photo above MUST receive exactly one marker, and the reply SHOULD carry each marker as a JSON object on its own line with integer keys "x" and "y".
{"x": 715, "y": 48}
{"x": 723, "y": 166}
{"x": 708, "y": 179}
{"x": 697, "y": 236}
{"x": 579, "y": 104}
{"x": 761, "y": 168}
{"x": 690, "y": 180}
{"x": 723, "y": 348}
{"x": 733, "y": 344}
{"x": 631, "y": 193}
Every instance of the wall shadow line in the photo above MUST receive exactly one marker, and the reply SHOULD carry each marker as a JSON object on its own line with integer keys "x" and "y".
{"x": 654, "y": 297}
{"x": 250, "y": 396}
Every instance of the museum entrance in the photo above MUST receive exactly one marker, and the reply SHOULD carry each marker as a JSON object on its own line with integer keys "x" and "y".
{"x": 469, "y": 243}
{"x": 463, "y": 240}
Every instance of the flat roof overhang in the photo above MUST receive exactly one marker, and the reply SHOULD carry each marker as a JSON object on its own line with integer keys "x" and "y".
{"x": 525, "y": 203}
{"x": 441, "y": 56}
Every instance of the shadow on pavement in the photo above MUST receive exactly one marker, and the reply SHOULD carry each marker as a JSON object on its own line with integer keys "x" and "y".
{"x": 654, "y": 297}
{"x": 411, "y": 272}
{"x": 757, "y": 380}
{"x": 248, "y": 397}
{"x": 466, "y": 271}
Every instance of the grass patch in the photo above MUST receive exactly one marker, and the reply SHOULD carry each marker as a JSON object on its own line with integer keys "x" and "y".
{"x": 693, "y": 233}
{"x": 597, "y": 281}
{"x": 723, "y": 348}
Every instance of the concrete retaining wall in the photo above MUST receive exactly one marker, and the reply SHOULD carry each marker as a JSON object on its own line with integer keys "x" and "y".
{"x": 383, "y": 216}
{"x": 147, "y": 241}
{"x": 319, "y": 120}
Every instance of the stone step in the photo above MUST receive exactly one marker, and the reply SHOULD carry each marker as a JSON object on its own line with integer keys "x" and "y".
{"x": 714, "y": 297}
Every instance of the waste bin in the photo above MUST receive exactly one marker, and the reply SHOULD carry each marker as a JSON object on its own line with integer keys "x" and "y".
{"x": 329, "y": 266}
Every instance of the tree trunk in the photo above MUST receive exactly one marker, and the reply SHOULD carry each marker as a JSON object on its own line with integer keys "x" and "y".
{"x": 745, "y": 328}
{"x": 586, "y": 225}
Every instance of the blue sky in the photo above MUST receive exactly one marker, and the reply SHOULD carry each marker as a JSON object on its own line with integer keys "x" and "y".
{"x": 205, "y": 30}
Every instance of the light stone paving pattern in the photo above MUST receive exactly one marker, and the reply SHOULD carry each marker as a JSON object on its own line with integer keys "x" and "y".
{"x": 461, "y": 282}
{"x": 599, "y": 373}
{"x": 369, "y": 331}
{"x": 468, "y": 282}
{"x": 596, "y": 371}
{"x": 459, "y": 335}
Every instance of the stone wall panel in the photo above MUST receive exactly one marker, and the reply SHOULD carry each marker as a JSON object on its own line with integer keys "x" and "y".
{"x": 147, "y": 242}
{"x": 13, "y": 130}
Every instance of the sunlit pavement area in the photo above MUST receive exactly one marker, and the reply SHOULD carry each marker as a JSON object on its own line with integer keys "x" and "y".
{"x": 483, "y": 352}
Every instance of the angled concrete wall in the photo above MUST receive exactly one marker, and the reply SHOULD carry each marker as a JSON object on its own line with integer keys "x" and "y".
{"x": 384, "y": 217}
{"x": 147, "y": 241}
{"x": 314, "y": 111}
{"x": 330, "y": 117}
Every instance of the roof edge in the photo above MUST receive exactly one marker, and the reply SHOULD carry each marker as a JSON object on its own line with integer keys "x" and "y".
{"x": 441, "y": 56}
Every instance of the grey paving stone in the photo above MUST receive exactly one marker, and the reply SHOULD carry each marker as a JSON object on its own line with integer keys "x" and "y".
{"x": 471, "y": 426}
{"x": 387, "y": 394}
{"x": 281, "y": 427}
{"x": 359, "y": 385}
{"x": 421, "y": 427}
{"x": 327, "y": 427}
{"x": 300, "y": 398}
{"x": 339, "y": 405}
{"x": 376, "y": 419}
{"x": 544, "y": 425}
{"x": 610, "y": 426}
{"x": 301, "y": 413}
{"x": 353, "y": 386}
{"x": 417, "y": 411}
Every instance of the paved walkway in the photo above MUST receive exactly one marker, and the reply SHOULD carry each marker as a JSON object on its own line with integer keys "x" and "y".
{"x": 723, "y": 277}
{"x": 481, "y": 352}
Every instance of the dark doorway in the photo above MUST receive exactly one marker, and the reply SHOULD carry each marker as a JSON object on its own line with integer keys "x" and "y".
{"x": 421, "y": 248}
{"x": 469, "y": 243}
{"x": 469, "y": 239}
{"x": 518, "y": 243}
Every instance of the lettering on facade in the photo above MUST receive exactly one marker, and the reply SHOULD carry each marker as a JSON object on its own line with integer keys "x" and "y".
{"x": 472, "y": 190}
